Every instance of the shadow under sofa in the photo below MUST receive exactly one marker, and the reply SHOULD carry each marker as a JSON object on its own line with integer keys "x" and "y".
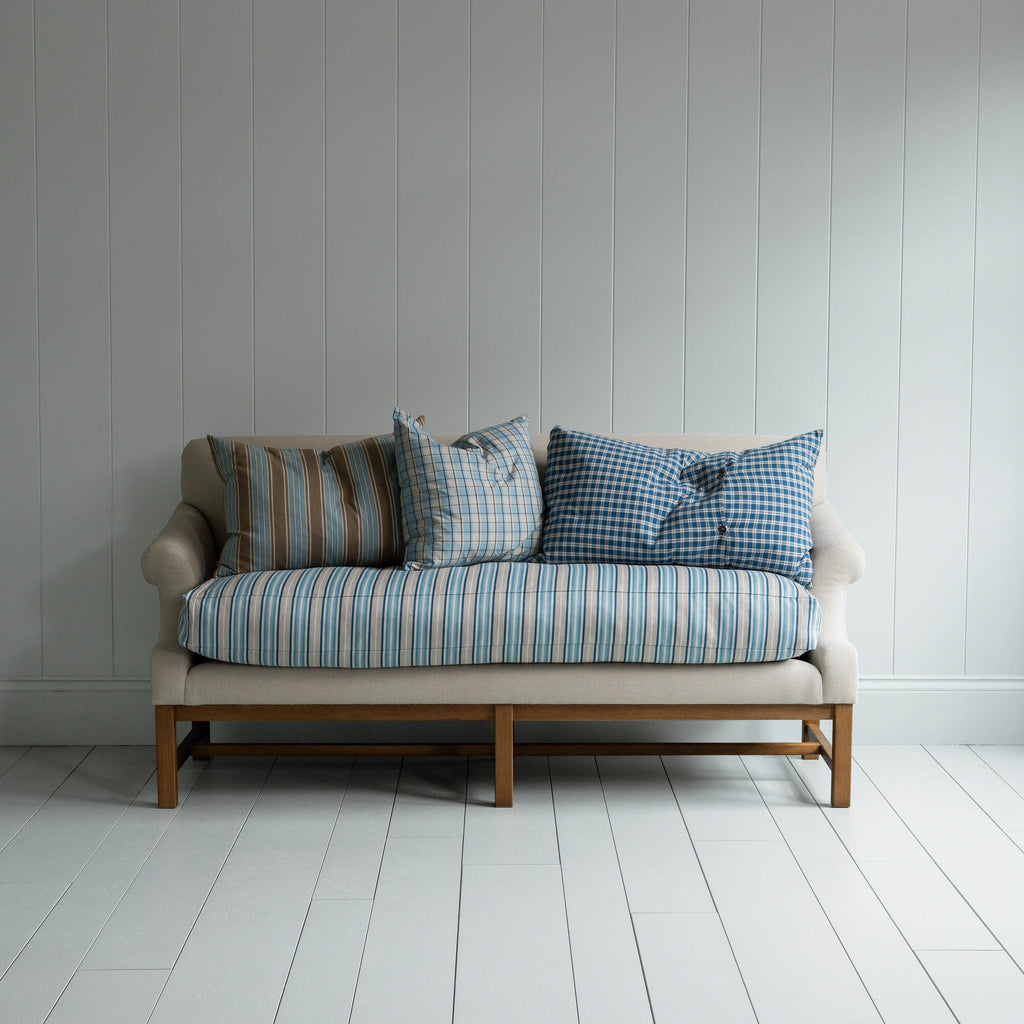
{"x": 816, "y": 687}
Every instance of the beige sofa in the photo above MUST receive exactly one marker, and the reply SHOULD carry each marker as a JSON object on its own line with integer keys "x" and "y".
{"x": 822, "y": 685}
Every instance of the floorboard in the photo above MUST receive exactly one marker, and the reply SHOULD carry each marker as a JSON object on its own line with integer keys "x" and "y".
{"x": 29, "y": 783}
{"x": 352, "y": 864}
{"x": 786, "y": 980}
{"x": 513, "y": 962}
{"x": 240, "y": 949}
{"x": 962, "y": 839}
{"x": 521, "y": 834}
{"x": 656, "y": 856}
{"x": 408, "y": 968}
{"x": 322, "y": 980}
{"x": 899, "y": 986}
{"x": 981, "y": 986}
{"x": 37, "y": 978}
{"x": 176, "y": 879}
{"x": 616, "y": 891}
{"x": 108, "y": 997}
{"x": 610, "y": 985}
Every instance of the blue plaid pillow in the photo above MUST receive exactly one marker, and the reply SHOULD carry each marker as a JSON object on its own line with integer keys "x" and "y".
{"x": 616, "y": 501}
{"x": 477, "y": 500}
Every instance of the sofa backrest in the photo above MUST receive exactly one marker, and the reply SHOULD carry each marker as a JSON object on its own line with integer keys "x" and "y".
{"x": 202, "y": 486}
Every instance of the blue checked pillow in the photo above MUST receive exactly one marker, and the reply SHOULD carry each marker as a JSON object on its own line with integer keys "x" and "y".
{"x": 616, "y": 501}
{"x": 477, "y": 500}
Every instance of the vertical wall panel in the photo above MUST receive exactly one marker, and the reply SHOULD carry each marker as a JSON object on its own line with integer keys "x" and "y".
{"x": 579, "y": 155}
{"x": 288, "y": 216}
{"x": 74, "y": 336}
{"x": 793, "y": 215}
{"x": 995, "y": 587}
{"x": 362, "y": 99}
{"x": 20, "y": 651}
{"x": 935, "y": 356}
{"x": 216, "y": 217}
{"x": 864, "y": 304}
{"x": 721, "y": 215}
{"x": 505, "y": 208}
{"x": 433, "y": 211}
{"x": 145, "y": 304}
{"x": 650, "y": 215}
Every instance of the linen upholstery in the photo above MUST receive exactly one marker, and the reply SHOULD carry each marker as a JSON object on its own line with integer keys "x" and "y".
{"x": 618, "y": 501}
{"x": 289, "y": 508}
{"x": 772, "y": 682}
{"x": 185, "y": 552}
{"x": 499, "y": 612}
{"x": 476, "y": 500}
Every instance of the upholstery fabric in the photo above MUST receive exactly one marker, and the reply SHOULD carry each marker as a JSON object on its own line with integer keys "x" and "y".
{"x": 609, "y": 500}
{"x": 290, "y": 508}
{"x": 773, "y": 682}
{"x": 477, "y": 500}
{"x": 499, "y": 612}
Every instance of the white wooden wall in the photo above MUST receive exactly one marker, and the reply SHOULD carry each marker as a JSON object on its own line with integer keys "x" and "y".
{"x": 228, "y": 215}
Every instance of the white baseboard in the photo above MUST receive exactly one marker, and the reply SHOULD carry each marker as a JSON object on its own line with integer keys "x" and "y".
{"x": 905, "y": 709}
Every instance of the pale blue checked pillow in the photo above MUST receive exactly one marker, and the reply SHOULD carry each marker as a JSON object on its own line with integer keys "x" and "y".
{"x": 477, "y": 500}
{"x": 617, "y": 501}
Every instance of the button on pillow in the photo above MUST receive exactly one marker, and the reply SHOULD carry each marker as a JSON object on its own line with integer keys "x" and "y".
{"x": 477, "y": 500}
{"x": 617, "y": 501}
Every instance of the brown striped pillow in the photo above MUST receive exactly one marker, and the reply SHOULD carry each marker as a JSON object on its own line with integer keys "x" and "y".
{"x": 294, "y": 508}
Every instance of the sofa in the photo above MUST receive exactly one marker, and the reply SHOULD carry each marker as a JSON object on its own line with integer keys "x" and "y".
{"x": 817, "y": 686}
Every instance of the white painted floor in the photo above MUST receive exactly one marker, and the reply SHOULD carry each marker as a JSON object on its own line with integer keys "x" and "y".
{"x": 616, "y": 890}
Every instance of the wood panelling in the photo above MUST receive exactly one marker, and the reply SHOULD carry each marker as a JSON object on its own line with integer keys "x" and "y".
{"x": 864, "y": 302}
{"x": 433, "y": 211}
{"x": 650, "y": 215}
{"x": 506, "y": 64}
{"x": 223, "y": 216}
{"x": 793, "y": 215}
{"x": 74, "y": 337}
{"x": 145, "y": 303}
{"x": 20, "y": 647}
{"x": 995, "y": 590}
{"x": 721, "y": 215}
{"x": 937, "y": 327}
{"x": 361, "y": 125}
{"x": 288, "y": 215}
{"x": 216, "y": 217}
{"x": 576, "y": 305}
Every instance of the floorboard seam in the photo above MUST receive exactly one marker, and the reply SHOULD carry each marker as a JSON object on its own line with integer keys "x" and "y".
{"x": 206, "y": 899}
{"x": 714, "y": 902}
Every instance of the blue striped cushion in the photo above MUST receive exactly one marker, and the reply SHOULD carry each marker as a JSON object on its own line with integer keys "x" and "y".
{"x": 516, "y": 612}
{"x": 477, "y": 500}
{"x": 617, "y": 501}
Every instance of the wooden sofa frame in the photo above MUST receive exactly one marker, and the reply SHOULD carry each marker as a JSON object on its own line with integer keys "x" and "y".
{"x": 171, "y": 755}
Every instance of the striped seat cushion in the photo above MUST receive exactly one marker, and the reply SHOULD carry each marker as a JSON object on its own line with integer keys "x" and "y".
{"x": 291, "y": 508}
{"x": 499, "y": 612}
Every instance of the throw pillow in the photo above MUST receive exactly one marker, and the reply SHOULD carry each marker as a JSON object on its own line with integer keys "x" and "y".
{"x": 295, "y": 508}
{"x": 616, "y": 501}
{"x": 477, "y": 500}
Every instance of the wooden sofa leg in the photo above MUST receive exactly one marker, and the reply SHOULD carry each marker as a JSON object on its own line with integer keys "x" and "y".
{"x": 842, "y": 754}
{"x": 201, "y": 732}
{"x": 808, "y": 737}
{"x": 502, "y": 755}
{"x": 166, "y": 757}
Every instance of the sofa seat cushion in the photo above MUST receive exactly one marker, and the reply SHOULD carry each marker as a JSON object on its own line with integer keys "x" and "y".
{"x": 499, "y": 612}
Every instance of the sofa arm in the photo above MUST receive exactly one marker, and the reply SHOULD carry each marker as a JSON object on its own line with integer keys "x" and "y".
{"x": 838, "y": 561}
{"x": 180, "y": 558}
